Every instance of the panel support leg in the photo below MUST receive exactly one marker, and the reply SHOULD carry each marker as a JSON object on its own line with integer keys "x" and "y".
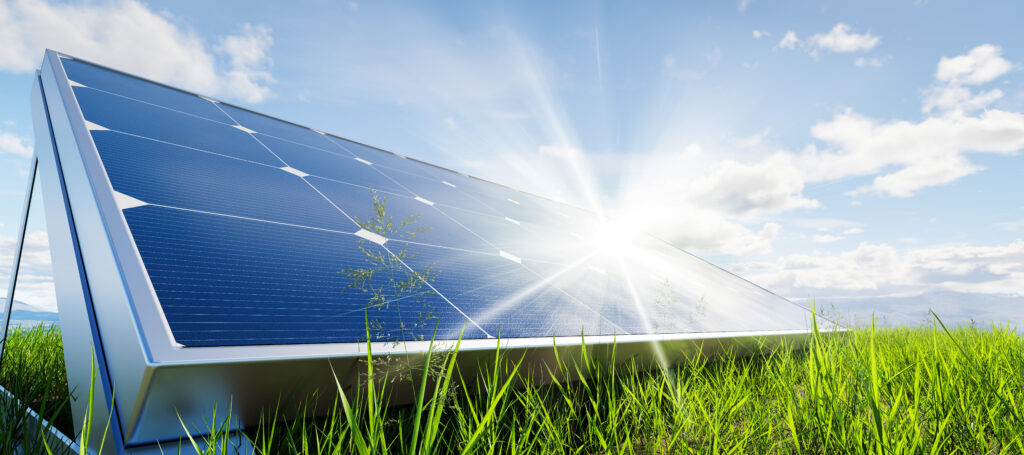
{"x": 18, "y": 247}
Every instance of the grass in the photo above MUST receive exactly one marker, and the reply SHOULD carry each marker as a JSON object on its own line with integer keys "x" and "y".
{"x": 33, "y": 371}
{"x": 870, "y": 390}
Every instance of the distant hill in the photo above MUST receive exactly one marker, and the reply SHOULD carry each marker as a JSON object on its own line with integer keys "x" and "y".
{"x": 28, "y": 314}
{"x": 955, "y": 308}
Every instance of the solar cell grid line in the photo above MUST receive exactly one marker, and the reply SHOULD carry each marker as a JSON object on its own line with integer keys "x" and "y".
{"x": 288, "y": 166}
{"x": 303, "y": 177}
{"x": 393, "y": 162}
{"x": 218, "y": 268}
{"x": 132, "y": 87}
{"x": 270, "y": 150}
{"x": 431, "y": 286}
{"x": 232, "y": 122}
{"x": 427, "y": 283}
{"x": 439, "y": 190}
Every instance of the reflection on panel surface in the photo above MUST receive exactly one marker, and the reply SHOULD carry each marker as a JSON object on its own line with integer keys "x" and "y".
{"x": 257, "y": 231}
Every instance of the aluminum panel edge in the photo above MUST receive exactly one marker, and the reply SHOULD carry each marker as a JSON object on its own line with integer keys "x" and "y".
{"x": 76, "y": 328}
{"x": 122, "y": 359}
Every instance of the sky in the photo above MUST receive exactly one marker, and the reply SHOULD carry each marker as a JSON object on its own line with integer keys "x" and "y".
{"x": 865, "y": 155}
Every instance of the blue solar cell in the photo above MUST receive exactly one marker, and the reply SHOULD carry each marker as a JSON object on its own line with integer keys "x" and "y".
{"x": 227, "y": 281}
{"x": 370, "y": 154}
{"x": 273, "y": 127}
{"x": 596, "y": 282}
{"x": 331, "y": 165}
{"x": 521, "y": 239}
{"x": 503, "y": 297}
{"x": 160, "y": 173}
{"x": 125, "y": 85}
{"x": 134, "y": 117}
{"x": 426, "y": 224}
{"x": 521, "y": 206}
{"x": 248, "y": 239}
{"x": 439, "y": 191}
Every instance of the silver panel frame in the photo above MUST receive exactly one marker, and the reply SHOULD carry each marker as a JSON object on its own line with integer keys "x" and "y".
{"x": 158, "y": 379}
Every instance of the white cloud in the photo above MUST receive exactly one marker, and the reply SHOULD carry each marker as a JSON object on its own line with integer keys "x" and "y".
{"x": 742, "y": 5}
{"x": 982, "y": 64}
{"x": 840, "y": 39}
{"x": 35, "y": 276}
{"x": 14, "y": 145}
{"x": 758, "y": 34}
{"x": 956, "y": 97}
{"x": 250, "y": 62}
{"x": 928, "y": 153}
{"x": 905, "y": 182}
{"x": 708, "y": 203}
{"x": 129, "y": 36}
{"x": 718, "y": 208}
{"x": 789, "y": 41}
{"x": 826, "y": 238}
{"x": 744, "y": 190}
{"x": 931, "y": 152}
{"x": 881, "y": 268}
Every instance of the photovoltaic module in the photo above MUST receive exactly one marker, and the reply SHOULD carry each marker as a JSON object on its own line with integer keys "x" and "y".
{"x": 206, "y": 233}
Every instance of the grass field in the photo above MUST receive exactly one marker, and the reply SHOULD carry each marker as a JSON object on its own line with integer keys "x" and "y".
{"x": 870, "y": 390}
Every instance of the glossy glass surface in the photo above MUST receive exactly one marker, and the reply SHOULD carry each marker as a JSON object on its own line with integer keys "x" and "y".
{"x": 258, "y": 231}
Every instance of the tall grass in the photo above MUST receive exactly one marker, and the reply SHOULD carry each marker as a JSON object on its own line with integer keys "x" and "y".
{"x": 33, "y": 371}
{"x": 868, "y": 390}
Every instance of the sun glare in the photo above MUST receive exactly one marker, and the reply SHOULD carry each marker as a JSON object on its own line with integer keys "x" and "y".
{"x": 614, "y": 236}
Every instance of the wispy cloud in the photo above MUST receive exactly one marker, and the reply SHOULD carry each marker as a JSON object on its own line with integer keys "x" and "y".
{"x": 981, "y": 65}
{"x": 14, "y": 145}
{"x": 789, "y": 40}
{"x": 35, "y": 276}
{"x": 249, "y": 59}
{"x": 841, "y": 39}
{"x": 128, "y": 35}
{"x": 883, "y": 268}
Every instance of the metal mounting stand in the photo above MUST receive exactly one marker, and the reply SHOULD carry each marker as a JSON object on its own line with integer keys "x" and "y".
{"x": 18, "y": 247}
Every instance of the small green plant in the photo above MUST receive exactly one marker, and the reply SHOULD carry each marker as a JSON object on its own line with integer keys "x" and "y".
{"x": 391, "y": 284}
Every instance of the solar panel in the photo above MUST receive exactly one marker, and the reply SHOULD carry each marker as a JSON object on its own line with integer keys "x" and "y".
{"x": 222, "y": 230}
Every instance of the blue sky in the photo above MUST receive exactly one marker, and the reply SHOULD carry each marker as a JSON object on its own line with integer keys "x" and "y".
{"x": 860, "y": 153}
